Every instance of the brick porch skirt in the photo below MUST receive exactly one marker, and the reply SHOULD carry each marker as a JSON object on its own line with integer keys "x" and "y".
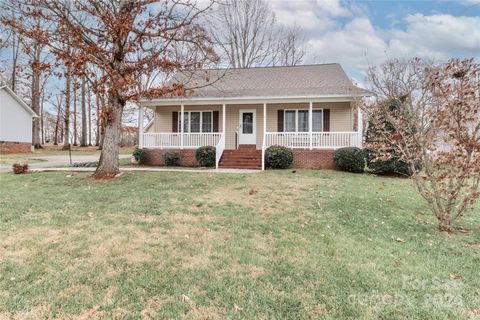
{"x": 155, "y": 157}
{"x": 7, "y": 147}
{"x": 313, "y": 159}
{"x": 302, "y": 158}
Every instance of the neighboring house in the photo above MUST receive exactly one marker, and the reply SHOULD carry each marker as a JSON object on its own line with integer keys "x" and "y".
{"x": 242, "y": 112}
{"x": 15, "y": 123}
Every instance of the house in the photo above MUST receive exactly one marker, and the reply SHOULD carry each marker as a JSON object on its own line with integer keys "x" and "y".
{"x": 15, "y": 123}
{"x": 241, "y": 112}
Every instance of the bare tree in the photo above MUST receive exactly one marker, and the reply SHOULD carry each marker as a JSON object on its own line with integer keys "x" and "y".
{"x": 290, "y": 50}
{"x": 430, "y": 117}
{"x": 245, "y": 32}
{"x": 83, "y": 136}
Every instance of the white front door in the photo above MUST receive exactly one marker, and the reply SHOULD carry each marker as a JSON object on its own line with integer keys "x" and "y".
{"x": 247, "y": 130}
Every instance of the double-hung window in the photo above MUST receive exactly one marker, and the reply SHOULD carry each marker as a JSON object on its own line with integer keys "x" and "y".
{"x": 196, "y": 121}
{"x": 297, "y": 120}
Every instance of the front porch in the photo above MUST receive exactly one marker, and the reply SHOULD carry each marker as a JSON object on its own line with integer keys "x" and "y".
{"x": 312, "y": 125}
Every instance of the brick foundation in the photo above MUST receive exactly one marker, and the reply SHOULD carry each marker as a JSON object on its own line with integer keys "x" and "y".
{"x": 155, "y": 157}
{"x": 7, "y": 147}
{"x": 313, "y": 159}
{"x": 302, "y": 158}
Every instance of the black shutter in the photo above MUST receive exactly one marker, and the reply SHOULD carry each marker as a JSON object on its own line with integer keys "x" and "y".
{"x": 326, "y": 120}
{"x": 175, "y": 121}
{"x": 215, "y": 121}
{"x": 280, "y": 121}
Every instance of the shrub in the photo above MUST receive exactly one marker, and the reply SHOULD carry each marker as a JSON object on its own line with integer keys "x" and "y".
{"x": 206, "y": 156}
{"x": 90, "y": 164}
{"x": 19, "y": 168}
{"x": 390, "y": 166}
{"x": 278, "y": 157}
{"x": 350, "y": 159}
{"x": 139, "y": 154}
{"x": 171, "y": 158}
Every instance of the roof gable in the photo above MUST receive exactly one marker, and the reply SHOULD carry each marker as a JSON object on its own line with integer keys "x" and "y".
{"x": 19, "y": 100}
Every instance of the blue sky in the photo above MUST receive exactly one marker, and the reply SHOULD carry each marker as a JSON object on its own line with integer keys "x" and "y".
{"x": 358, "y": 34}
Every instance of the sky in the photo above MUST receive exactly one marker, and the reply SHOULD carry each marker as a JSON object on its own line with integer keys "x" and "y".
{"x": 358, "y": 34}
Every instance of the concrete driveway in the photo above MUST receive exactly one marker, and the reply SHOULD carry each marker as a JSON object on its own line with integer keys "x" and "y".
{"x": 58, "y": 161}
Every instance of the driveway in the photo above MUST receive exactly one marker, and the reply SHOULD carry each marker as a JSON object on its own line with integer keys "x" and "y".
{"x": 58, "y": 161}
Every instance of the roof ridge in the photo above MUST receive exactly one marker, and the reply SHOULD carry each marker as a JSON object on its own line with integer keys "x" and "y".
{"x": 270, "y": 67}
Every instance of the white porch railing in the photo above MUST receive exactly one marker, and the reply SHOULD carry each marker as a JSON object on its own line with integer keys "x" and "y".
{"x": 317, "y": 140}
{"x": 166, "y": 140}
{"x": 219, "y": 150}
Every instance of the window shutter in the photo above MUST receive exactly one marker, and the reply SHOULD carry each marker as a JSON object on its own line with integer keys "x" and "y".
{"x": 280, "y": 120}
{"x": 175, "y": 121}
{"x": 326, "y": 120}
{"x": 215, "y": 121}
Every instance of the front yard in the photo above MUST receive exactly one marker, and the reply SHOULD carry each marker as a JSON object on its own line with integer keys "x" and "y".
{"x": 278, "y": 244}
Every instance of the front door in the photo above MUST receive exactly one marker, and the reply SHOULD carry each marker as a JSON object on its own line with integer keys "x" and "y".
{"x": 247, "y": 128}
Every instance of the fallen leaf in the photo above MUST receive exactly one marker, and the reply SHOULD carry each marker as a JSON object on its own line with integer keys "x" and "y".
{"x": 252, "y": 191}
{"x": 375, "y": 225}
{"x": 236, "y": 307}
{"x": 476, "y": 311}
{"x": 455, "y": 276}
{"x": 185, "y": 298}
{"x": 399, "y": 239}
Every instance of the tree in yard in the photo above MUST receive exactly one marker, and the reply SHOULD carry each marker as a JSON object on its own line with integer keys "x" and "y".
{"x": 83, "y": 137}
{"x": 290, "y": 48}
{"x": 434, "y": 128}
{"x": 115, "y": 37}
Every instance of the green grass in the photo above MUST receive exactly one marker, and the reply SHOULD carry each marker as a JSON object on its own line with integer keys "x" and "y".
{"x": 274, "y": 245}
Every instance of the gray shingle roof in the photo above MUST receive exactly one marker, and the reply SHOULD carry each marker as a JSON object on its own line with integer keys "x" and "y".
{"x": 293, "y": 81}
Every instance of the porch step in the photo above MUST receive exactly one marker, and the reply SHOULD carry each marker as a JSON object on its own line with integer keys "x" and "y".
{"x": 246, "y": 157}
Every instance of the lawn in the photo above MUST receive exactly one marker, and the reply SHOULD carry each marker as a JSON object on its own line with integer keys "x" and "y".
{"x": 272, "y": 245}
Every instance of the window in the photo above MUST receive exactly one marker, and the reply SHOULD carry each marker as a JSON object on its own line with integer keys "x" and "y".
{"x": 196, "y": 121}
{"x": 297, "y": 120}
{"x": 317, "y": 120}
{"x": 290, "y": 121}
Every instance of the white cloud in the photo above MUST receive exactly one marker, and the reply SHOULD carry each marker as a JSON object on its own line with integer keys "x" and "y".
{"x": 356, "y": 45}
{"x": 437, "y": 36}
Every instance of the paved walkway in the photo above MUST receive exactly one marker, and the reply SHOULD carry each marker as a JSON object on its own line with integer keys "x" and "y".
{"x": 146, "y": 169}
{"x": 57, "y": 161}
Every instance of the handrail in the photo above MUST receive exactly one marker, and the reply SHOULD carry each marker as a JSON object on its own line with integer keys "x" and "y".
{"x": 174, "y": 139}
{"x": 263, "y": 152}
{"x": 314, "y": 140}
{"x": 219, "y": 148}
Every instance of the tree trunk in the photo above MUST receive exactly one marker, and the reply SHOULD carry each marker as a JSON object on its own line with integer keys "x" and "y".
{"x": 445, "y": 225}
{"x": 89, "y": 117}
{"x": 108, "y": 163}
{"x": 83, "y": 138}
{"x": 57, "y": 127}
{"x": 36, "y": 126}
{"x": 75, "y": 133}
{"x": 66, "y": 124}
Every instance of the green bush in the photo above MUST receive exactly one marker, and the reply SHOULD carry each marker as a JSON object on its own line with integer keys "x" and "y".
{"x": 350, "y": 159}
{"x": 206, "y": 156}
{"x": 139, "y": 154}
{"x": 387, "y": 167}
{"x": 278, "y": 157}
{"x": 171, "y": 158}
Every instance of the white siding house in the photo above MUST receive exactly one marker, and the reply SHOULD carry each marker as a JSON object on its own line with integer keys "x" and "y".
{"x": 15, "y": 122}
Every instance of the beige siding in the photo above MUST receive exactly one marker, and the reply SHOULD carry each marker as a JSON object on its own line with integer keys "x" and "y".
{"x": 341, "y": 117}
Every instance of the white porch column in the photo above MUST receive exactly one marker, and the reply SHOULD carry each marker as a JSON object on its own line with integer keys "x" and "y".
{"x": 264, "y": 121}
{"x": 223, "y": 119}
{"x": 182, "y": 107}
{"x": 310, "y": 123}
{"x": 140, "y": 126}
{"x": 360, "y": 127}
